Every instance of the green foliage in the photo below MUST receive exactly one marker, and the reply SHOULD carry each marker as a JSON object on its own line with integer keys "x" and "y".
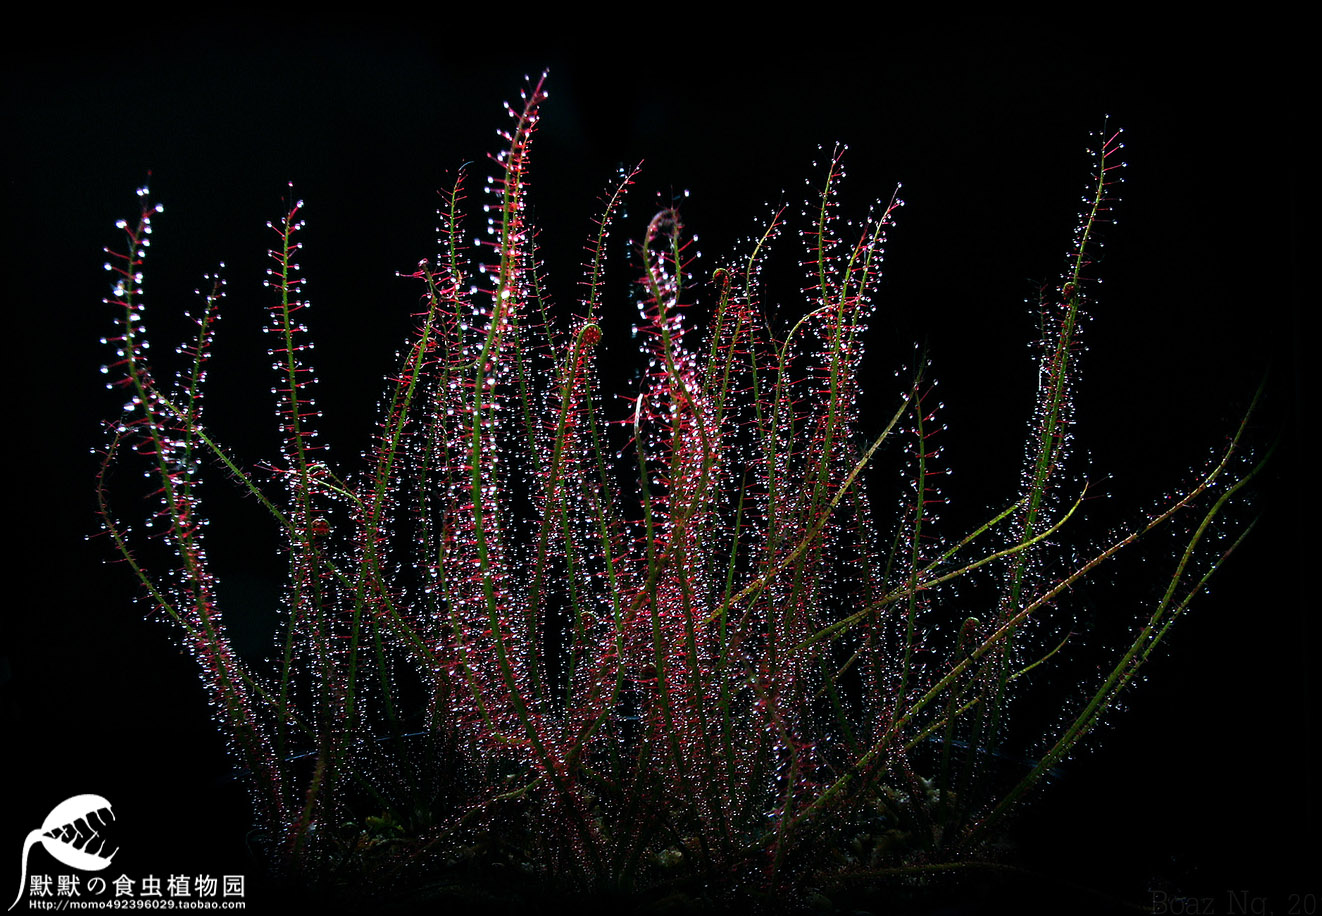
{"x": 701, "y": 655}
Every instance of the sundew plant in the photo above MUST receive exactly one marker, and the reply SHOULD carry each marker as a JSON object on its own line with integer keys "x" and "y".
{"x": 690, "y": 637}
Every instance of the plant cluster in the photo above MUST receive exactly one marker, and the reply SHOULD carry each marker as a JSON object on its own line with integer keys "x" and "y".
{"x": 617, "y": 651}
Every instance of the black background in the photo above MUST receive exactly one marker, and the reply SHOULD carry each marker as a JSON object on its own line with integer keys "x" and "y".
{"x": 1200, "y": 785}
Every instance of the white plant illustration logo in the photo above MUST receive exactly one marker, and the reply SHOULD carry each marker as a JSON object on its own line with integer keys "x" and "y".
{"x": 72, "y": 833}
